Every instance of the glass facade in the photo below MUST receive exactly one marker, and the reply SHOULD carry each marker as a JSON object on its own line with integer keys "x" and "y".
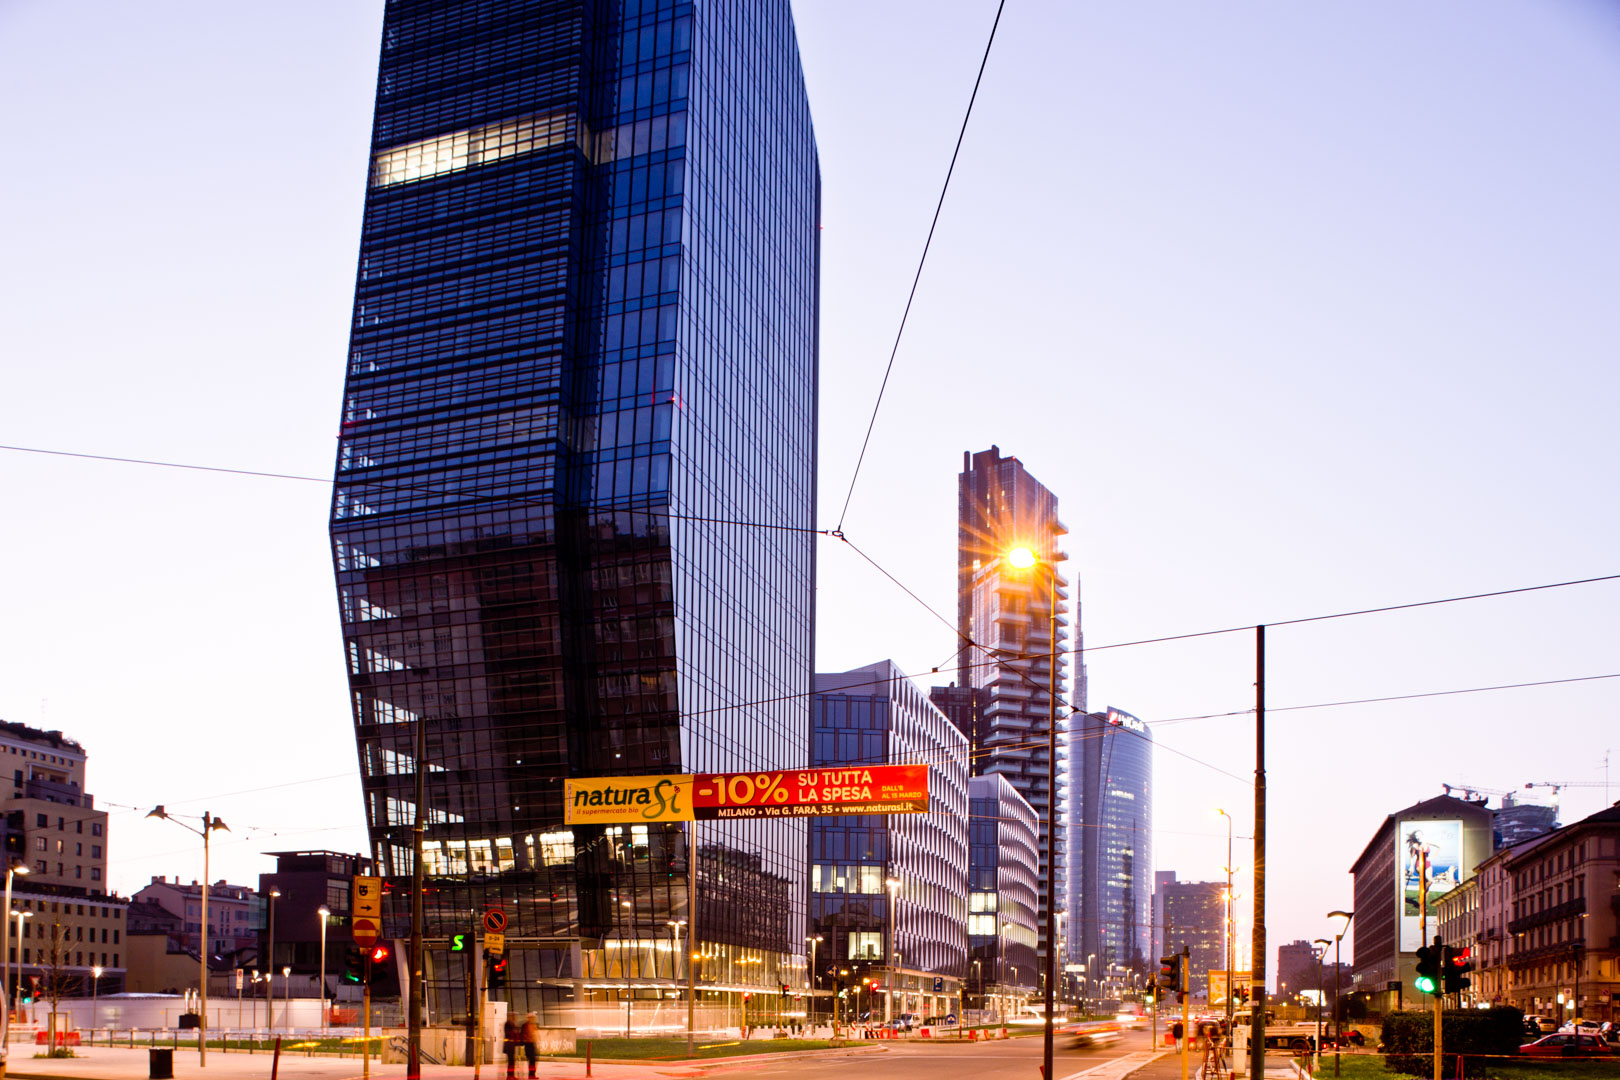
{"x": 1002, "y": 862}
{"x": 875, "y": 715}
{"x": 1112, "y": 791}
{"x": 1007, "y": 614}
{"x": 583, "y": 361}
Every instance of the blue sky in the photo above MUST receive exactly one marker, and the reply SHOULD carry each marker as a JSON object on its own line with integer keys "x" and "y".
{"x": 1298, "y": 308}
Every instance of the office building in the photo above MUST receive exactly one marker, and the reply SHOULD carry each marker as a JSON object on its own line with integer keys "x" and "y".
{"x": 1007, "y": 615}
{"x": 1423, "y": 851}
{"x": 1111, "y": 800}
{"x": 302, "y": 884}
{"x": 582, "y": 373}
{"x": 1003, "y": 869}
{"x": 1161, "y": 878}
{"x": 1194, "y": 919}
{"x": 71, "y": 941}
{"x": 875, "y": 715}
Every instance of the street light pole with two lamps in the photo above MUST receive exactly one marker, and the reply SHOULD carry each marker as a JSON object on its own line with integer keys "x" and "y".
{"x": 13, "y": 866}
{"x": 209, "y": 825}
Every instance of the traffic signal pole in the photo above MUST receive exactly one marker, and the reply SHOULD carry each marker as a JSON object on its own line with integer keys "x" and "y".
{"x": 1181, "y": 988}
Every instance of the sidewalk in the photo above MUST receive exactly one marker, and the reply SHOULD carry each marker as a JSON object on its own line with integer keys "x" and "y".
{"x": 120, "y": 1063}
{"x": 1167, "y": 1066}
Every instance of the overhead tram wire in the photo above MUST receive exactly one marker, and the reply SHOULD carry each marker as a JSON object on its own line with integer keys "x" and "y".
{"x": 940, "y": 205}
{"x": 429, "y": 489}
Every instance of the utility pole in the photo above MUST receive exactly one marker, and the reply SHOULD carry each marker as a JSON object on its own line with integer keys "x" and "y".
{"x": 1257, "y": 961}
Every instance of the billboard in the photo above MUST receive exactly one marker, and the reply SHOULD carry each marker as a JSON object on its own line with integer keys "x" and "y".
{"x": 852, "y": 789}
{"x": 1442, "y": 842}
{"x": 1241, "y": 981}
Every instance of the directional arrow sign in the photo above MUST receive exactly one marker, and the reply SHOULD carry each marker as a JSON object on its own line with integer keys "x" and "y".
{"x": 365, "y": 932}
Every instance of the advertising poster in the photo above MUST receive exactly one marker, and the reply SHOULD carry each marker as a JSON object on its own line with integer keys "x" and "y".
{"x": 1443, "y": 842}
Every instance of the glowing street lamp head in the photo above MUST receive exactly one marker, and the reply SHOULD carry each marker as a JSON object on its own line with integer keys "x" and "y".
{"x": 1021, "y": 558}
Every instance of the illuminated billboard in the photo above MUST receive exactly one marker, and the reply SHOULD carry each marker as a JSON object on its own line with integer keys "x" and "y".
{"x": 1442, "y": 841}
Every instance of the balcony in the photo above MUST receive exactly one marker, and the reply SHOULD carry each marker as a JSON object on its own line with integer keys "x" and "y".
{"x": 50, "y": 791}
{"x": 1567, "y": 910}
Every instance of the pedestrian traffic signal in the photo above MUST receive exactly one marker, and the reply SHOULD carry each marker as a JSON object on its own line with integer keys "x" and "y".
{"x": 1428, "y": 967}
{"x": 354, "y": 965}
{"x": 1169, "y": 972}
{"x": 1454, "y": 971}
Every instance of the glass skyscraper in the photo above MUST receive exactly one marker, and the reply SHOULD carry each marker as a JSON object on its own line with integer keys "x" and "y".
{"x": 1007, "y": 614}
{"x": 582, "y": 373}
{"x": 1111, "y": 792}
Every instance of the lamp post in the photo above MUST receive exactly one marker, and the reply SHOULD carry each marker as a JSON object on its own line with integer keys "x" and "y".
{"x": 209, "y": 824}
{"x": 286, "y": 993}
{"x": 19, "y": 916}
{"x": 812, "y": 978}
{"x": 1320, "y": 953}
{"x": 325, "y": 913}
{"x": 270, "y": 963}
{"x": 1338, "y": 1016}
{"x": 893, "y": 885}
{"x": 1228, "y": 934}
{"x": 13, "y": 867}
{"x": 1024, "y": 558}
{"x": 95, "y": 999}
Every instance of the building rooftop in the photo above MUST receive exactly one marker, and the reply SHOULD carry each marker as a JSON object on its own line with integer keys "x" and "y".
{"x": 54, "y": 739}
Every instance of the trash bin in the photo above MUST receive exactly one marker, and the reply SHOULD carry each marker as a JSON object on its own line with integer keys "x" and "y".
{"x": 160, "y": 1065}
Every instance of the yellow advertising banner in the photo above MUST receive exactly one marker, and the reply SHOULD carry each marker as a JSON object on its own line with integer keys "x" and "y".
{"x": 618, "y": 800}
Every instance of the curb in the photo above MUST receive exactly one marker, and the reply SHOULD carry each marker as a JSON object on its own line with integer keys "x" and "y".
{"x": 779, "y": 1055}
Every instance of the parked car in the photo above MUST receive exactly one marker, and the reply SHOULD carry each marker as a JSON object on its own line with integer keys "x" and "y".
{"x": 1537, "y": 1026}
{"x": 1582, "y": 1027}
{"x": 1567, "y": 1045}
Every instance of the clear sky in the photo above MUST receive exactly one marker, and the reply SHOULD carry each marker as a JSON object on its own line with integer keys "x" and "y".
{"x": 1298, "y": 308}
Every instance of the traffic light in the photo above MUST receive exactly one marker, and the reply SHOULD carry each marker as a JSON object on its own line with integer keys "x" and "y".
{"x": 1454, "y": 971}
{"x": 1169, "y": 972}
{"x": 1428, "y": 967}
{"x": 497, "y": 970}
{"x": 354, "y": 965}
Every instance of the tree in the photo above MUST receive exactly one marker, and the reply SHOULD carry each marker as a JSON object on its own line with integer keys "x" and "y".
{"x": 57, "y": 981}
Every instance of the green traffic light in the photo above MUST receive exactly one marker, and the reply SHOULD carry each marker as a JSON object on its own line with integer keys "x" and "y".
{"x": 1424, "y": 983}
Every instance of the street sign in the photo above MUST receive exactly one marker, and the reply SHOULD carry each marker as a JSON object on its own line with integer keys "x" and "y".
{"x": 365, "y": 932}
{"x": 366, "y": 901}
{"x": 495, "y": 920}
{"x": 495, "y": 943}
{"x": 852, "y": 789}
{"x": 939, "y": 984}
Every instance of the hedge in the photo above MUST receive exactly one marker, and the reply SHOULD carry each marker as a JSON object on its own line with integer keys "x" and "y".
{"x": 1409, "y": 1039}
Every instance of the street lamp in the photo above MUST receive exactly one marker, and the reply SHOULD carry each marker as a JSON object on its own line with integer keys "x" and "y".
{"x": 19, "y": 916}
{"x": 325, "y": 913}
{"x": 812, "y": 977}
{"x": 270, "y": 963}
{"x": 95, "y": 999}
{"x": 1024, "y": 558}
{"x": 1228, "y": 935}
{"x": 1320, "y": 953}
{"x": 1338, "y": 1014}
{"x": 893, "y": 885}
{"x": 209, "y": 824}
{"x": 13, "y": 867}
{"x": 286, "y": 993}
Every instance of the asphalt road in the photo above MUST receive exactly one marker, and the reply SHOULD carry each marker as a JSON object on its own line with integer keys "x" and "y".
{"x": 1012, "y": 1059}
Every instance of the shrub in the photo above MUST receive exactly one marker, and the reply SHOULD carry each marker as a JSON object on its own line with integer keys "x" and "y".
{"x": 1466, "y": 1034}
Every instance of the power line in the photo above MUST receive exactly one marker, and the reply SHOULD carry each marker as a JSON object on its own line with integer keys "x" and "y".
{"x": 920, "y": 263}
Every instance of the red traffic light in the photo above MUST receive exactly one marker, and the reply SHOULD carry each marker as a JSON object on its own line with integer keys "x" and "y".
{"x": 380, "y": 953}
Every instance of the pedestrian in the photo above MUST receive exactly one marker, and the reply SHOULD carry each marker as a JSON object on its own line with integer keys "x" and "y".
{"x": 531, "y": 1041}
{"x": 509, "y": 1043}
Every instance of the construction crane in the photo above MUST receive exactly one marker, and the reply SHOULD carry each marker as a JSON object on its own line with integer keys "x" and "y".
{"x": 1559, "y": 785}
{"x": 1470, "y": 790}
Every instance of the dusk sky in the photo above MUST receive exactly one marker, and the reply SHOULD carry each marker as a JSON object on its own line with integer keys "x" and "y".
{"x": 1298, "y": 308}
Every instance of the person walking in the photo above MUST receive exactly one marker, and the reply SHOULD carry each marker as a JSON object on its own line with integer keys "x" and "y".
{"x": 531, "y": 1041}
{"x": 509, "y": 1043}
